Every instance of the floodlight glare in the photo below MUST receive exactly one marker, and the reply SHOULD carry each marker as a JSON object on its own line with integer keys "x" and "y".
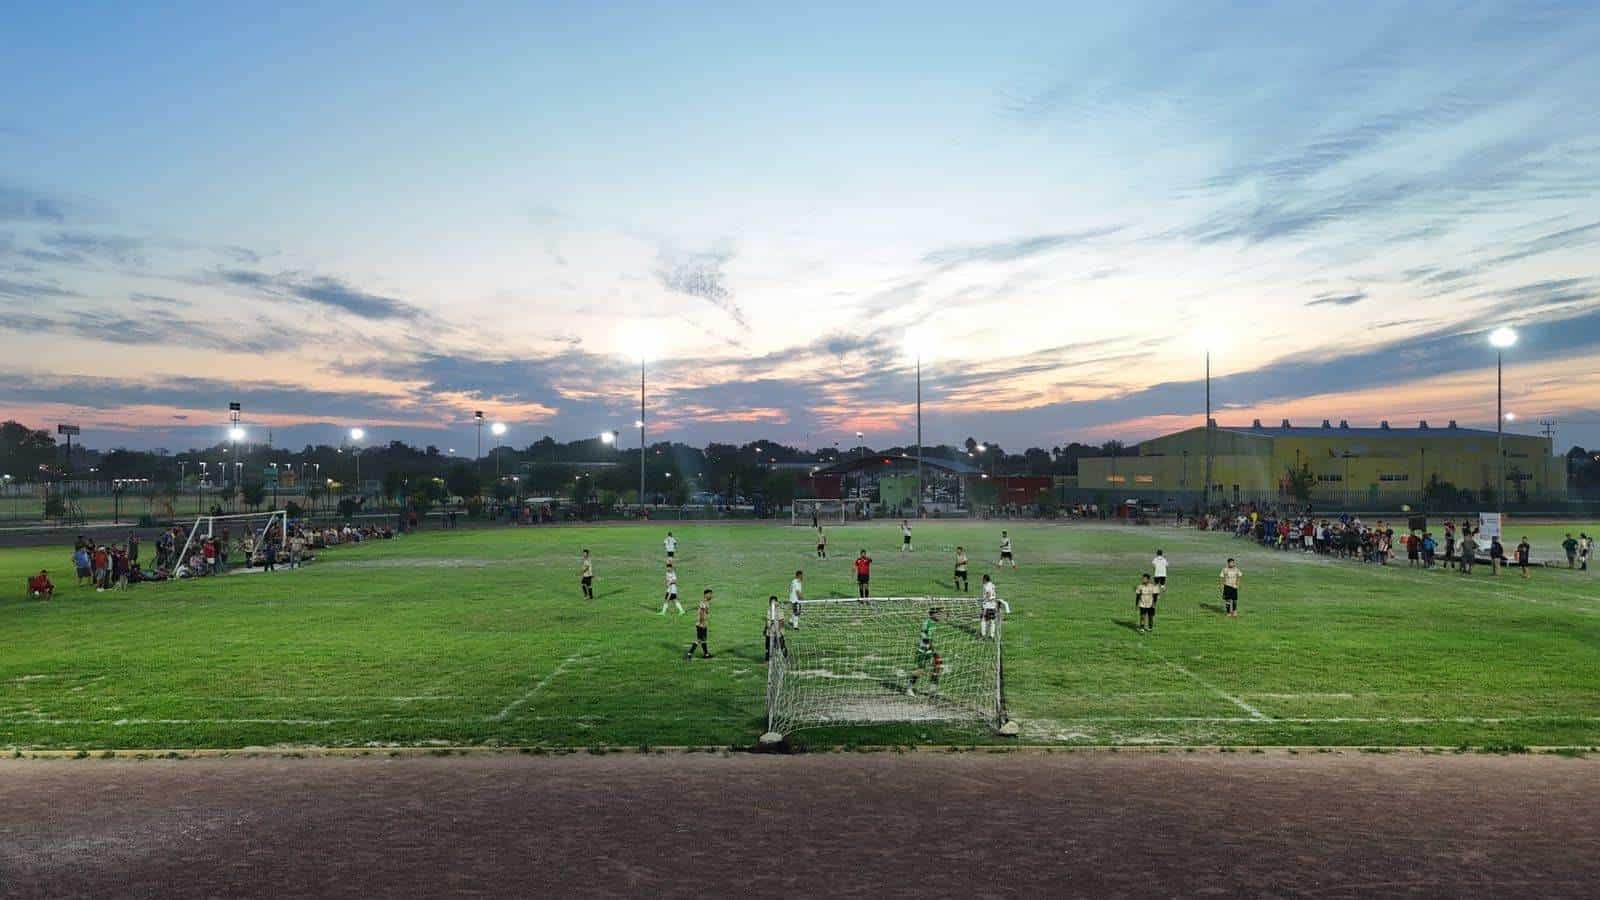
{"x": 638, "y": 342}
{"x": 497, "y": 429}
{"x": 1502, "y": 337}
{"x": 357, "y": 434}
{"x": 920, "y": 343}
{"x": 235, "y": 433}
{"x": 638, "y": 423}
{"x": 1210, "y": 337}
{"x": 607, "y": 437}
{"x": 1511, "y": 417}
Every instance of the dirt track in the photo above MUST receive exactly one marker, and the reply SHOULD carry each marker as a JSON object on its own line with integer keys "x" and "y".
{"x": 931, "y": 824}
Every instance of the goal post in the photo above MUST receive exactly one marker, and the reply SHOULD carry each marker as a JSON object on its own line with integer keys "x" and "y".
{"x": 237, "y": 528}
{"x": 827, "y": 512}
{"x": 884, "y": 660}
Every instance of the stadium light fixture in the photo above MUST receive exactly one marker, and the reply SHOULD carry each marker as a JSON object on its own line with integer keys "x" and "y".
{"x": 1206, "y": 338}
{"x": 1501, "y": 339}
{"x": 497, "y": 429}
{"x": 608, "y": 437}
{"x": 1511, "y": 417}
{"x": 236, "y": 434}
{"x": 357, "y": 434}
{"x": 642, "y": 344}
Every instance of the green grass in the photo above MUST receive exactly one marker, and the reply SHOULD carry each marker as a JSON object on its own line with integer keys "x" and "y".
{"x": 480, "y": 637}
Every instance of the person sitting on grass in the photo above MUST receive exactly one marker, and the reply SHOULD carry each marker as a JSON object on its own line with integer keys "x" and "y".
{"x": 39, "y": 586}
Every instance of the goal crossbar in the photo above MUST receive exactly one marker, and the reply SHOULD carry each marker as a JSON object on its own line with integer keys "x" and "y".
{"x": 848, "y": 661}
{"x": 827, "y": 512}
{"x": 209, "y": 527}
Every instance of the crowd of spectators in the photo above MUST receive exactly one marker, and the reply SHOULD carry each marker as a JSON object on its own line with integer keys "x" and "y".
{"x": 113, "y": 566}
{"x": 1458, "y": 548}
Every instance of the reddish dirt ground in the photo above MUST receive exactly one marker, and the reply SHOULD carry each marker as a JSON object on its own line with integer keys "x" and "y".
{"x": 930, "y": 824}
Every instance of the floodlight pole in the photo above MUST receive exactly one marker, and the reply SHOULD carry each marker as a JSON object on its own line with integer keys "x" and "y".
{"x": 1205, "y": 490}
{"x": 1499, "y": 430}
{"x": 917, "y": 511}
{"x": 642, "y": 434}
{"x": 478, "y": 460}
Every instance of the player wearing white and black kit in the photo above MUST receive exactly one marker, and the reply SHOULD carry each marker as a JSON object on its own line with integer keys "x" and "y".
{"x": 1159, "y": 566}
{"x": 671, "y": 597}
{"x": 1005, "y": 550}
{"x": 671, "y": 543}
{"x": 905, "y": 536}
{"x": 822, "y": 544}
{"x": 1144, "y": 600}
{"x": 1230, "y": 588}
{"x": 961, "y": 570}
{"x": 988, "y": 623}
{"x": 797, "y": 592}
{"x": 586, "y": 576}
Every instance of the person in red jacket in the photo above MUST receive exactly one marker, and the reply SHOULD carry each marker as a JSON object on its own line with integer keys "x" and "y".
{"x": 863, "y": 574}
{"x": 40, "y": 586}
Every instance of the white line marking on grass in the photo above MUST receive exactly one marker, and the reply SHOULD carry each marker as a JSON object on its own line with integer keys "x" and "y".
{"x": 1254, "y": 713}
{"x": 533, "y": 691}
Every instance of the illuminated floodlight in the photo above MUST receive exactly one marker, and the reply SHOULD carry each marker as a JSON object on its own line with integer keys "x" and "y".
{"x": 638, "y": 423}
{"x": 497, "y": 429}
{"x": 1511, "y": 417}
{"x": 608, "y": 437}
{"x": 639, "y": 342}
{"x": 1210, "y": 338}
{"x": 920, "y": 343}
{"x": 357, "y": 434}
{"x": 235, "y": 433}
{"x": 1502, "y": 337}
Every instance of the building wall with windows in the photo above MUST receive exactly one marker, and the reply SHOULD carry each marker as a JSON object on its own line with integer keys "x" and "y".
{"x": 1351, "y": 465}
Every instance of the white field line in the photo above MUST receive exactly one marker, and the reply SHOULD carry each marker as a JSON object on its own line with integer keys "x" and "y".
{"x": 1254, "y": 713}
{"x": 534, "y": 691}
{"x": 1204, "y": 720}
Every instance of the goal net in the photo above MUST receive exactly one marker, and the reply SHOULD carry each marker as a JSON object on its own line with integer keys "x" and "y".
{"x": 239, "y": 538}
{"x": 827, "y": 512}
{"x": 884, "y": 659}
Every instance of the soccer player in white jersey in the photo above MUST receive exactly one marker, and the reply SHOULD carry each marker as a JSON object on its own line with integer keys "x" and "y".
{"x": 987, "y": 625}
{"x": 1159, "y": 566}
{"x": 905, "y": 535}
{"x": 1005, "y": 550}
{"x": 797, "y": 592}
{"x": 671, "y": 597}
{"x": 671, "y": 543}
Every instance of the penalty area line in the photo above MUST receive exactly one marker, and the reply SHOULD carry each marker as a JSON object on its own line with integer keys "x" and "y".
{"x": 534, "y": 691}
{"x": 1254, "y": 713}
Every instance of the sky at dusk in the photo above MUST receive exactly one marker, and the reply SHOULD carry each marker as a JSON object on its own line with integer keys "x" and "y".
{"x": 389, "y": 216}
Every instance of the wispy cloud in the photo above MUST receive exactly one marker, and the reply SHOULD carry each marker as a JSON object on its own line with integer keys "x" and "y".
{"x": 1015, "y": 249}
{"x": 701, "y": 275}
{"x": 19, "y": 204}
{"x": 32, "y": 290}
{"x": 331, "y": 293}
{"x": 1349, "y": 299}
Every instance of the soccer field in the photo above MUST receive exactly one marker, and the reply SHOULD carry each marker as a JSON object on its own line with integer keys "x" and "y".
{"x": 481, "y": 637}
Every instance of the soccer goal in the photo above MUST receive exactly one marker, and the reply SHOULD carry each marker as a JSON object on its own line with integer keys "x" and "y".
{"x": 827, "y": 512}
{"x": 242, "y": 534}
{"x": 884, "y": 659}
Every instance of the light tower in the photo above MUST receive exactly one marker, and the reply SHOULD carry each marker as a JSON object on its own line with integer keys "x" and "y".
{"x": 919, "y": 343}
{"x": 641, "y": 344}
{"x": 1501, "y": 339}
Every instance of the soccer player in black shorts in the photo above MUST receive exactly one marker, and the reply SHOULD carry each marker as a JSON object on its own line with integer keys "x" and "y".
{"x": 701, "y": 620}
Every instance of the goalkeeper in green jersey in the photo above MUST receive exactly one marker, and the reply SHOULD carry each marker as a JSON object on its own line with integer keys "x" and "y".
{"x": 927, "y": 661}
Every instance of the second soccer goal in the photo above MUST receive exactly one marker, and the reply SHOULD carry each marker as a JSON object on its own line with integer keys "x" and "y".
{"x": 885, "y": 659}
